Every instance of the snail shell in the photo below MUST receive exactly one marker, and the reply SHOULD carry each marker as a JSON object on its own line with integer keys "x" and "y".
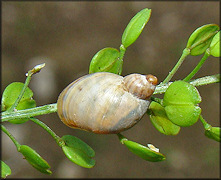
{"x": 104, "y": 102}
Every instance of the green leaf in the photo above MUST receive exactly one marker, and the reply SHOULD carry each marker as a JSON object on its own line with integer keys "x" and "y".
{"x": 10, "y": 95}
{"x": 183, "y": 115}
{"x": 5, "y": 170}
{"x": 160, "y": 120}
{"x": 147, "y": 153}
{"x": 215, "y": 45}
{"x": 181, "y": 103}
{"x": 35, "y": 159}
{"x": 213, "y": 133}
{"x": 78, "y": 151}
{"x": 135, "y": 27}
{"x": 201, "y": 38}
{"x": 12, "y": 92}
{"x": 106, "y": 60}
{"x": 181, "y": 92}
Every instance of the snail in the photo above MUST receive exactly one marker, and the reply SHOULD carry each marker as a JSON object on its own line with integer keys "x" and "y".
{"x": 105, "y": 103}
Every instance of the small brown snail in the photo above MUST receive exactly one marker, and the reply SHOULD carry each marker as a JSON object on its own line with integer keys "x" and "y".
{"x": 104, "y": 102}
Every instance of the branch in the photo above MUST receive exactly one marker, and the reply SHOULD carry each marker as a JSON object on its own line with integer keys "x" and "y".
{"x": 51, "y": 108}
{"x": 161, "y": 88}
{"x": 27, "y": 113}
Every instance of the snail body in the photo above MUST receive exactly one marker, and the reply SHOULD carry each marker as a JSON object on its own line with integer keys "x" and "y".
{"x": 104, "y": 102}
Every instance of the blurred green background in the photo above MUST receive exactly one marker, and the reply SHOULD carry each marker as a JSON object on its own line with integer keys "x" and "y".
{"x": 66, "y": 35}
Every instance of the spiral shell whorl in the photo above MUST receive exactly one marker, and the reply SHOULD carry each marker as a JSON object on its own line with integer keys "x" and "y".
{"x": 141, "y": 86}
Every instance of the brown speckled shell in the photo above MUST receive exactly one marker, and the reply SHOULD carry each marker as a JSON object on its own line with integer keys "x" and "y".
{"x": 103, "y": 103}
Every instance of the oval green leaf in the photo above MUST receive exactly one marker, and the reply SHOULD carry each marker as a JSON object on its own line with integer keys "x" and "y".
{"x": 78, "y": 151}
{"x": 213, "y": 133}
{"x": 160, "y": 120}
{"x": 135, "y": 27}
{"x": 215, "y": 45}
{"x": 35, "y": 159}
{"x": 181, "y": 93}
{"x": 146, "y": 153}
{"x": 106, "y": 60}
{"x": 201, "y": 38}
{"x": 12, "y": 92}
{"x": 10, "y": 95}
{"x": 5, "y": 170}
{"x": 181, "y": 103}
{"x": 183, "y": 115}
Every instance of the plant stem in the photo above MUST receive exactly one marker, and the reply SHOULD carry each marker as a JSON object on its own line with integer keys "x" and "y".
{"x": 5, "y": 130}
{"x": 36, "y": 69}
{"x": 52, "y": 133}
{"x": 206, "y": 80}
{"x": 122, "y": 51}
{"x": 205, "y": 124}
{"x": 199, "y": 65}
{"x": 27, "y": 113}
{"x": 121, "y": 138}
{"x": 185, "y": 53}
{"x": 21, "y": 93}
{"x": 161, "y": 88}
{"x": 51, "y": 108}
{"x": 158, "y": 100}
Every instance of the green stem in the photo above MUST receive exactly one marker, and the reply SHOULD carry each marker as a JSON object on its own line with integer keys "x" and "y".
{"x": 161, "y": 88}
{"x": 59, "y": 141}
{"x": 197, "y": 68}
{"x": 36, "y": 69}
{"x": 158, "y": 100}
{"x": 121, "y": 138}
{"x": 186, "y": 52}
{"x": 21, "y": 93}
{"x": 51, "y": 108}
{"x": 205, "y": 124}
{"x": 122, "y": 52}
{"x": 206, "y": 80}
{"x": 121, "y": 56}
{"x": 27, "y": 113}
{"x": 4, "y": 129}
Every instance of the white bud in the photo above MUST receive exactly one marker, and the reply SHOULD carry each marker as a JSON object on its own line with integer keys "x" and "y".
{"x": 152, "y": 147}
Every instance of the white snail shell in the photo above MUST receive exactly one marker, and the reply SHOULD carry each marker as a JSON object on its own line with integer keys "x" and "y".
{"x": 104, "y": 102}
